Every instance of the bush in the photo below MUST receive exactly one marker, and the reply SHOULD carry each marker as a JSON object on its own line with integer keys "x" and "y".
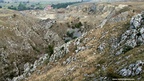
{"x": 78, "y": 25}
{"x": 22, "y": 6}
{"x": 67, "y": 40}
{"x": 70, "y": 34}
{"x": 50, "y": 49}
{"x": 62, "y": 48}
{"x": 74, "y": 37}
{"x": 14, "y": 15}
{"x": 12, "y": 8}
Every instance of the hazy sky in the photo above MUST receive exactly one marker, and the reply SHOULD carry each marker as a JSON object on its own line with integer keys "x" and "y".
{"x": 42, "y": 0}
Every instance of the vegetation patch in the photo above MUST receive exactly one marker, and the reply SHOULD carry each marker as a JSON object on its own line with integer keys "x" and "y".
{"x": 50, "y": 49}
{"x": 78, "y": 25}
{"x": 111, "y": 74}
{"x": 67, "y": 40}
{"x": 63, "y": 5}
{"x": 70, "y": 34}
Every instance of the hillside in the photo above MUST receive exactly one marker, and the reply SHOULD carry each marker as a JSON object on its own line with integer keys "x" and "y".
{"x": 114, "y": 0}
{"x": 86, "y": 42}
{"x": 44, "y": 0}
{"x": 22, "y": 40}
{"x": 110, "y": 50}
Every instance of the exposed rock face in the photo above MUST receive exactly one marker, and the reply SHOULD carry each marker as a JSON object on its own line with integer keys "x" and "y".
{"x": 134, "y": 36}
{"x": 92, "y": 49}
{"x": 121, "y": 17}
{"x": 99, "y": 42}
{"x": 133, "y": 69}
{"x": 29, "y": 68}
{"x": 60, "y": 52}
{"x": 101, "y": 47}
{"x": 53, "y": 38}
{"x": 22, "y": 40}
{"x": 135, "y": 22}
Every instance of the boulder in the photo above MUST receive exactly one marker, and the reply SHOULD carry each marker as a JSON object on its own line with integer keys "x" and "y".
{"x": 135, "y": 22}
{"x": 132, "y": 69}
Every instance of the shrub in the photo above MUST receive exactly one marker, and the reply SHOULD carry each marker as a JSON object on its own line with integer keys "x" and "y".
{"x": 67, "y": 40}
{"x": 22, "y": 6}
{"x": 62, "y": 48}
{"x": 50, "y": 49}
{"x": 70, "y": 34}
{"x": 12, "y": 8}
{"x": 73, "y": 27}
{"x": 111, "y": 74}
{"x": 75, "y": 37}
{"x": 68, "y": 24}
{"x": 78, "y": 25}
{"x": 14, "y": 15}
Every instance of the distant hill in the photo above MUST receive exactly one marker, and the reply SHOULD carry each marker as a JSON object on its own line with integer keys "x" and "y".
{"x": 43, "y": 0}
{"x": 113, "y": 0}
{"x": 68, "y": 0}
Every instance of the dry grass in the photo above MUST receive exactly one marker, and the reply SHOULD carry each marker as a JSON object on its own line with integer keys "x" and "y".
{"x": 14, "y": 45}
{"x": 56, "y": 73}
{"x": 86, "y": 60}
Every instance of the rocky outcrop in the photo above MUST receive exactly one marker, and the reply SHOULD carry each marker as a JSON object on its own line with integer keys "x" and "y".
{"x": 30, "y": 68}
{"x": 134, "y": 36}
{"x": 133, "y": 69}
{"x": 23, "y": 40}
{"x": 96, "y": 46}
{"x": 60, "y": 52}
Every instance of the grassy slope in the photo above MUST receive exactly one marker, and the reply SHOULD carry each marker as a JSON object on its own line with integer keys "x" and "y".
{"x": 88, "y": 59}
{"x": 12, "y": 44}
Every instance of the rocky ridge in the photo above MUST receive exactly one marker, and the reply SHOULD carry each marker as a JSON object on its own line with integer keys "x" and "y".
{"x": 112, "y": 49}
{"x": 102, "y": 51}
{"x": 22, "y": 40}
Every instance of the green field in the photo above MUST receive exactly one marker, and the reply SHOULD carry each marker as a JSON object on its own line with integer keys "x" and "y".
{"x": 35, "y": 5}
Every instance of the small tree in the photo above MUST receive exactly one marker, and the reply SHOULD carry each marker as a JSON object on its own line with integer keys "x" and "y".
{"x": 78, "y": 25}
{"x": 70, "y": 34}
{"x": 22, "y": 6}
{"x": 50, "y": 49}
{"x": 12, "y": 7}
